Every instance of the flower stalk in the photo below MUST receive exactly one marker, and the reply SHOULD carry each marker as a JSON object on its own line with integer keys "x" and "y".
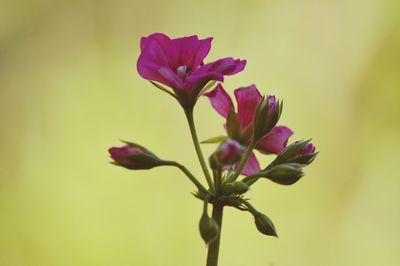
{"x": 196, "y": 143}
{"x": 176, "y": 67}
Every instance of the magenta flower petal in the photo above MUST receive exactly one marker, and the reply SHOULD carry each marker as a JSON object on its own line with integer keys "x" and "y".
{"x": 220, "y": 100}
{"x": 252, "y": 165}
{"x": 190, "y": 51}
{"x": 247, "y": 99}
{"x": 309, "y": 148}
{"x": 275, "y": 141}
{"x": 212, "y": 71}
{"x": 225, "y": 66}
{"x": 154, "y": 64}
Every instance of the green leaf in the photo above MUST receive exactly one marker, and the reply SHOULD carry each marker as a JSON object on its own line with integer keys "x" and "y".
{"x": 218, "y": 139}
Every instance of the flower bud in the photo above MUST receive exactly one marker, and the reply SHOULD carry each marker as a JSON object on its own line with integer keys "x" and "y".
{"x": 285, "y": 174}
{"x": 227, "y": 153}
{"x": 133, "y": 156}
{"x": 300, "y": 152}
{"x": 264, "y": 224}
{"x": 237, "y": 187}
{"x": 209, "y": 228}
{"x": 267, "y": 115}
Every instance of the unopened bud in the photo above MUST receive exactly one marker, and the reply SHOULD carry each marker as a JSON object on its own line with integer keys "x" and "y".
{"x": 209, "y": 228}
{"x": 267, "y": 115}
{"x": 227, "y": 153}
{"x": 134, "y": 156}
{"x": 264, "y": 224}
{"x": 301, "y": 152}
{"x": 237, "y": 187}
{"x": 285, "y": 174}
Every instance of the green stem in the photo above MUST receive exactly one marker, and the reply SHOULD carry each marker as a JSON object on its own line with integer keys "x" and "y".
{"x": 243, "y": 162}
{"x": 189, "y": 116}
{"x": 213, "y": 248}
{"x": 251, "y": 179}
{"x": 188, "y": 174}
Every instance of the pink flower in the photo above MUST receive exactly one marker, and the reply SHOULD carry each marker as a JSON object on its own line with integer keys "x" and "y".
{"x": 178, "y": 64}
{"x": 133, "y": 156}
{"x": 248, "y": 99}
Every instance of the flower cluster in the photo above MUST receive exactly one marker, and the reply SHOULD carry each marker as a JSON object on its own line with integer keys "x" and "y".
{"x": 176, "y": 66}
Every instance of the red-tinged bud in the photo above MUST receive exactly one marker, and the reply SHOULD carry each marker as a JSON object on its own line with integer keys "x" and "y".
{"x": 264, "y": 224}
{"x": 134, "y": 156}
{"x": 267, "y": 115}
{"x": 300, "y": 152}
{"x": 227, "y": 153}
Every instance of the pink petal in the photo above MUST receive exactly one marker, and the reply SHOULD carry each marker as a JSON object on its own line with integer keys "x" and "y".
{"x": 275, "y": 141}
{"x": 152, "y": 59}
{"x": 197, "y": 81}
{"x": 252, "y": 165}
{"x": 247, "y": 99}
{"x": 225, "y": 66}
{"x": 190, "y": 51}
{"x": 220, "y": 100}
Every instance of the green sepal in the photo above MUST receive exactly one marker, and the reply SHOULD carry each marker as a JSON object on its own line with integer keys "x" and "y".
{"x": 162, "y": 88}
{"x": 218, "y": 139}
{"x": 232, "y": 125}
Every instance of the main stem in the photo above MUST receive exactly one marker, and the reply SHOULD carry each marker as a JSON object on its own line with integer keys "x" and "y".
{"x": 213, "y": 248}
{"x": 189, "y": 116}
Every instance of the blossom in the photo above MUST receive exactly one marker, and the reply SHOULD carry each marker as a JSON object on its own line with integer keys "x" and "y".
{"x": 133, "y": 156}
{"x": 248, "y": 98}
{"x": 178, "y": 64}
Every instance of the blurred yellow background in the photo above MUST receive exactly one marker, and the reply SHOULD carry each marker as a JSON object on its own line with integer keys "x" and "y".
{"x": 69, "y": 89}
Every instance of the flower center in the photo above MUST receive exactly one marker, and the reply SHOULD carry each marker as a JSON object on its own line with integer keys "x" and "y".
{"x": 184, "y": 71}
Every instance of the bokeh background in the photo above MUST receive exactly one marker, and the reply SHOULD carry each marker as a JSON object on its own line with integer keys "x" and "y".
{"x": 69, "y": 89}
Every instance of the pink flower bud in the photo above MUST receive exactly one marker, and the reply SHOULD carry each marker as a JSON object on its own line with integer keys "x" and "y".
{"x": 133, "y": 156}
{"x": 230, "y": 152}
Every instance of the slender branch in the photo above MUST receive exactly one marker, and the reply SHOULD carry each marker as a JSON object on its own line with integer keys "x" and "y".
{"x": 213, "y": 248}
{"x": 251, "y": 179}
{"x": 243, "y": 162}
{"x": 188, "y": 174}
{"x": 189, "y": 116}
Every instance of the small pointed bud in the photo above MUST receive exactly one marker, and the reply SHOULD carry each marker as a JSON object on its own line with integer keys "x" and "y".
{"x": 267, "y": 115}
{"x": 301, "y": 152}
{"x": 264, "y": 224}
{"x": 133, "y": 156}
{"x": 209, "y": 228}
{"x": 285, "y": 174}
{"x": 227, "y": 153}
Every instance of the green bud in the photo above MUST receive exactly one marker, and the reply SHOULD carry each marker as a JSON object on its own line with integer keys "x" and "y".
{"x": 228, "y": 188}
{"x": 264, "y": 224}
{"x": 285, "y": 174}
{"x": 240, "y": 187}
{"x": 237, "y": 187}
{"x": 267, "y": 115}
{"x": 209, "y": 229}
